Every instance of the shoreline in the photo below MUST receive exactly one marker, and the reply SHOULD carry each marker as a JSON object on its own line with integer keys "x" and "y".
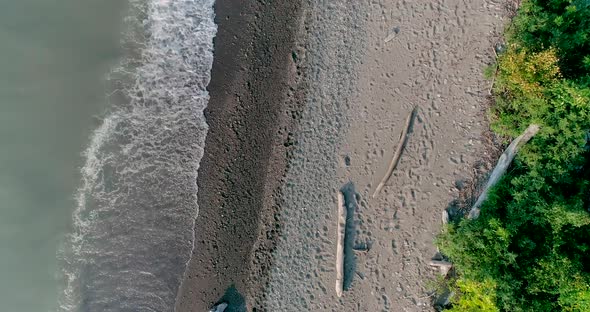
{"x": 250, "y": 120}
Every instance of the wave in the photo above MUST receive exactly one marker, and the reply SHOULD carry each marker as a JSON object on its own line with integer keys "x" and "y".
{"x": 137, "y": 201}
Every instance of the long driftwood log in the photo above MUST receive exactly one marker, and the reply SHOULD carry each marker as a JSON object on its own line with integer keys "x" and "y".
{"x": 340, "y": 245}
{"x": 503, "y": 164}
{"x": 398, "y": 152}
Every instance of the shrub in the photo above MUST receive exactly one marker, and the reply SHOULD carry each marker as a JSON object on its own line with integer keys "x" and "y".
{"x": 530, "y": 248}
{"x": 524, "y": 74}
{"x": 561, "y": 24}
{"x": 475, "y": 297}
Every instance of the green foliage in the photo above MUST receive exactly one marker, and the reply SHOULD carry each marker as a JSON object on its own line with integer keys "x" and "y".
{"x": 562, "y": 24}
{"x": 530, "y": 248}
{"x": 524, "y": 74}
{"x": 563, "y": 111}
{"x": 475, "y": 297}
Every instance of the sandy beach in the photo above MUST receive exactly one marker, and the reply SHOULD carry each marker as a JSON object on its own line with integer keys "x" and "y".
{"x": 434, "y": 60}
{"x": 308, "y": 98}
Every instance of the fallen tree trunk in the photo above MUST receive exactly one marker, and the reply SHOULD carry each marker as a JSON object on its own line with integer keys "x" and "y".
{"x": 340, "y": 245}
{"x": 503, "y": 164}
{"x": 398, "y": 152}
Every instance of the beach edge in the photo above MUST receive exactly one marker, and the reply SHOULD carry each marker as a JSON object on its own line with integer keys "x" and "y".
{"x": 252, "y": 113}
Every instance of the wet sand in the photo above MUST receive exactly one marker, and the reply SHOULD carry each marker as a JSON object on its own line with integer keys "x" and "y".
{"x": 250, "y": 115}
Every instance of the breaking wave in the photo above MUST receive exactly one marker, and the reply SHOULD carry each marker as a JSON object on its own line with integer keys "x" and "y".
{"x": 137, "y": 201}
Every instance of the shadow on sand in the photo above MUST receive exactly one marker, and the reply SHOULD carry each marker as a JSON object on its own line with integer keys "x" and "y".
{"x": 235, "y": 301}
{"x": 350, "y": 202}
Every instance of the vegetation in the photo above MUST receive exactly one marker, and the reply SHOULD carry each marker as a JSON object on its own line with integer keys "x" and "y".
{"x": 530, "y": 248}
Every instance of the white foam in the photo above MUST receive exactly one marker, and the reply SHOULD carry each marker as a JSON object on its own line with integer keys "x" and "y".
{"x": 137, "y": 195}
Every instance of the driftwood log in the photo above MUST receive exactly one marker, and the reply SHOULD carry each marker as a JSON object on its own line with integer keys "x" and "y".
{"x": 340, "y": 245}
{"x": 445, "y": 217}
{"x": 503, "y": 164}
{"x": 443, "y": 266}
{"x": 219, "y": 308}
{"x": 398, "y": 152}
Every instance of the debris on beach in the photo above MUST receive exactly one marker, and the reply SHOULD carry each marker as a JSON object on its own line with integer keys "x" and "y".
{"x": 392, "y": 34}
{"x": 219, "y": 308}
{"x": 444, "y": 266}
{"x": 503, "y": 164}
{"x": 445, "y": 217}
{"x": 398, "y": 151}
{"x": 340, "y": 245}
{"x": 364, "y": 247}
